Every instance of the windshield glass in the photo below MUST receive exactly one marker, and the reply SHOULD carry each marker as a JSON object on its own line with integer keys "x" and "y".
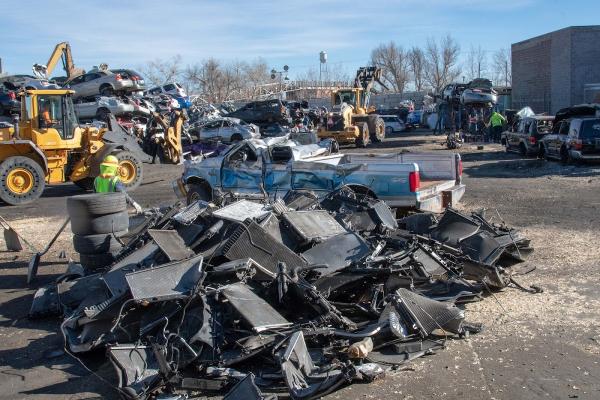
{"x": 70, "y": 118}
{"x": 346, "y": 96}
{"x": 590, "y": 129}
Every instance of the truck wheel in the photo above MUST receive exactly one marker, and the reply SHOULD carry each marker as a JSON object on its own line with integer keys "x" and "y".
{"x": 363, "y": 139}
{"x": 376, "y": 128}
{"x": 198, "y": 192}
{"x": 22, "y": 180}
{"x": 130, "y": 169}
{"x": 97, "y": 244}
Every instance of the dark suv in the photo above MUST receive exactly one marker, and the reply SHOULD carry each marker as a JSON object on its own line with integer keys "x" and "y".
{"x": 263, "y": 112}
{"x": 528, "y": 133}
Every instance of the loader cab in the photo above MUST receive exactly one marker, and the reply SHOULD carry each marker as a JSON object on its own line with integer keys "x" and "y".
{"x": 49, "y": 119}
{"x": 353, "y": 97}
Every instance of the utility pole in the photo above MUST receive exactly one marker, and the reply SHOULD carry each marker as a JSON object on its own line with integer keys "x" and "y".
{"x": 505, "y": 73}
{"x": 479, "y": 69}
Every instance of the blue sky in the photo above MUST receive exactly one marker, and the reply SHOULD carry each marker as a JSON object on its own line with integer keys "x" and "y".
{"x": 130, "y": 33}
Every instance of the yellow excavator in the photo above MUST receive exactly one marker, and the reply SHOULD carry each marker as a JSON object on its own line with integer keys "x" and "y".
{"x": 62, "y": 51}
{"x": 46, "y": 145}
{"x": 352, "y": 120}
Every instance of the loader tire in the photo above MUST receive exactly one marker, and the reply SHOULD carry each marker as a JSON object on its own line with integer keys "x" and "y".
{"x": 376, "y": 128}
{"x": 198, "y": 192}
{"x": 103, "y": 224}
{"x": 84, "y": 205}
{"x": 94, "y": 262}
{"x": 131, "y": 171}
{"x": 97, "y": 244}
{"x": 363, "y": 139}
{"x": 22, "y": 180}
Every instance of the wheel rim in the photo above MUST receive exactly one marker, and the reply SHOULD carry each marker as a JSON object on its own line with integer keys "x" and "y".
{"x": 194, "y": 196}
{"x": 381, "y": 132}
{"x": 127, "y": 171}
{"x": 20, "y": 181}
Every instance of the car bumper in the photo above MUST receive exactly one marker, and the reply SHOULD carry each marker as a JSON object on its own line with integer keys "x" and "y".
{"x": 438, "y": 202}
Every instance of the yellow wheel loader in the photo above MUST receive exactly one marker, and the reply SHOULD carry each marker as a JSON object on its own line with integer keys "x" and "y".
{"x": 47, "y": 146}
{"x": 352, "y": 120}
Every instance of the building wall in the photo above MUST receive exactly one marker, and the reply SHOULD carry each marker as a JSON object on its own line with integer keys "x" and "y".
{"x": 549, "y": 71}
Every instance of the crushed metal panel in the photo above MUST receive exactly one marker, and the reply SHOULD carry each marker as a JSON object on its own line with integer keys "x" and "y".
{"x": 454, "y": 227}
{"x": 136, "y": 366}
{"x": 255, "y": 311}
{"x": 171, "y": 244}
{"x": 166, "y": 281}
{"x": 191, "y": 212}
{"x": 337, "y": 252}
{"x": 241, "y": 210}
{"x": 243, "y": 268}
{"x": 251, "y": 240}
{"x": 115, "y": 278}
{"x": 385, "y": 215}
{"x": 316, "y": 225}
{"x": 245, "y": 389}
{"x": 482, "y": 247}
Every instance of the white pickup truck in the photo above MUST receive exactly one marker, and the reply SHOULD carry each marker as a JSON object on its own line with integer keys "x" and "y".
{"x": 255, "y": 169}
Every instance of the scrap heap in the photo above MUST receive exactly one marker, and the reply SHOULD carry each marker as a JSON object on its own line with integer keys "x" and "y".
{"x": 303, "y": 295}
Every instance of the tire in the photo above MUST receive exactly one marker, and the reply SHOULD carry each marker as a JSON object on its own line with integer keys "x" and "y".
{"x": 131, "y": 171}
{"x": 22, "y": 180}
{"x": 86, "y": 184}
{"x": 103, "y": 224}
{"x": 93, "y": 262}
{"x": 236, "y": 138}
{"x": 376, "y": 128}
{"x": 96, "y": 204}
{"x": 522, "y": 150}
{"x": 97, "y": 244}
{"x": 564, "y": 156}
{"x": 107, "y": 90}
{"x": 198, "y": 192}
{"x": 364, "y": 137}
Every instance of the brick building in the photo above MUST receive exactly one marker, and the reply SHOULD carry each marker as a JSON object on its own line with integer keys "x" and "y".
{"x": 550, "y": 72}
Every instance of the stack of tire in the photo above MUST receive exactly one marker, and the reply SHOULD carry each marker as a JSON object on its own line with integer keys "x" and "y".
{"x": 97, "y": 220}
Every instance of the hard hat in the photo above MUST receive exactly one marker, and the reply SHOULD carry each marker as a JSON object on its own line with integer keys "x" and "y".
{"x": 110, "y": 161}
{"x": 174, "y": 104}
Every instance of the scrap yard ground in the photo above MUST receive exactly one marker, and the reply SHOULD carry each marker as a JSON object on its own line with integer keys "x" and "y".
{"x": 534, "y": 346}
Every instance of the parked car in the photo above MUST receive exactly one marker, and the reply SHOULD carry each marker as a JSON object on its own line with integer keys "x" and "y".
{"x": 526, "y": 137}
{"x": 102, "y": 82}
{"x": 575, "y": 139}
{"x": 393, "y": 123}
{"x": 263, "y": 112}
{"x": 259, "y": 168}
{"x": 227, "y": 129}
{"x": 16, "y": 82}
{"x": 138, "y": 83}
{"x": 99, "y": 107}
{"x": 8, "y": 102}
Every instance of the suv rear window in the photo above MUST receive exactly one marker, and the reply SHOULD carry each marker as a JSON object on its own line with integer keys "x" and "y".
{"x": 590, "y": 129}
{"x": 168, "y": 87}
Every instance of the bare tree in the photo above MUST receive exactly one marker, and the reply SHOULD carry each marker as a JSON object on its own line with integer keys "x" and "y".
{"x": 160, "y": 71}
{"x": 441, "y": 59}
{"x": 501, "y": 65}
{"x": 476, "y": 63}
{"x": 416, "y": 60}
{"x": 394, "y": 62}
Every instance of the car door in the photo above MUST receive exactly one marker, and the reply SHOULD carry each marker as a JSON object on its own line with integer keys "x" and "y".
{"x": 90, "y": 86}
{"x": 75, "y": 83}
{"x": 211, "y": 130}
{"x": 242, "y": 170}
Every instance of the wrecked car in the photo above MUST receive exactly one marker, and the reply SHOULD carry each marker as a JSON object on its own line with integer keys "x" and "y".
{"x": 99, "y": 107}
{"x": 255, "y": 169}
{"x": 227, "y": 129}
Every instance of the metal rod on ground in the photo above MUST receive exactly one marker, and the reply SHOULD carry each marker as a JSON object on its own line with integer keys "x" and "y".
{"x": 35, "y": 260}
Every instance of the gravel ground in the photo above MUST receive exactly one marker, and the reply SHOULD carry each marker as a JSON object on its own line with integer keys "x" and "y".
{"x": 534, "y": 346}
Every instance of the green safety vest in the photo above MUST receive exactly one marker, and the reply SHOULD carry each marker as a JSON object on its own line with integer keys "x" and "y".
{"x": 497, "y": 119}
{"x": 105, "y": 185}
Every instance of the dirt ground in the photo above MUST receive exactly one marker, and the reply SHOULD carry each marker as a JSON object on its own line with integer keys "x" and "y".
{"x": 544, "y": 346}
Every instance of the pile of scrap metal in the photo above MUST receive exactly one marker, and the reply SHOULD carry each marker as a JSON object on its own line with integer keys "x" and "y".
{"x": 303, "y": 295}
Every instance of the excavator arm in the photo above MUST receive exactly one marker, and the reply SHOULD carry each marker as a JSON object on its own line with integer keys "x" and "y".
{"x": 62, "y": 51}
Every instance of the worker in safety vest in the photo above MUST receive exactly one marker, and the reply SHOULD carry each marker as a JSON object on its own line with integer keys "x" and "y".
{"x": 497, "y": 121}
{"x": 108, "y": 181}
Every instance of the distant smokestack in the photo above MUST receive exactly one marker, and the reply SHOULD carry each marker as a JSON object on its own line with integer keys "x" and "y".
{"x": 1, "y": 70}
